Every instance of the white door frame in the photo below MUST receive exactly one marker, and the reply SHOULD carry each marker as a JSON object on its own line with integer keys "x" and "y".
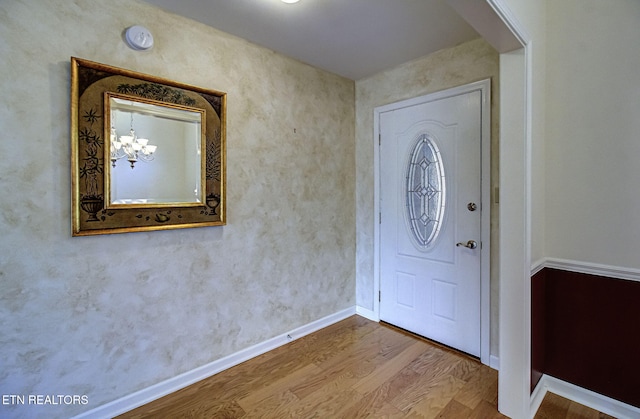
{"x": 484, "y": 86}
{"x": 497, "y": 24}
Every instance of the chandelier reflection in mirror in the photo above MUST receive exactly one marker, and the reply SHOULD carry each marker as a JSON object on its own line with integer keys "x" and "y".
{"x": 130, "y": 146}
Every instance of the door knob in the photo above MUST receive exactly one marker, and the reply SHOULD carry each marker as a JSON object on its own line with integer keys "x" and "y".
{"x": 471, "y": 244}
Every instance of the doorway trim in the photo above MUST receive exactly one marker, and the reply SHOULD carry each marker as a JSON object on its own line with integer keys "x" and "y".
{"x": 484, "y": 86}
{"x": 499, "y": 25}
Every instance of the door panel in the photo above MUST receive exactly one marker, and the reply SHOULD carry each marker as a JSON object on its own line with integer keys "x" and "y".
{"x": 430, "y": 170}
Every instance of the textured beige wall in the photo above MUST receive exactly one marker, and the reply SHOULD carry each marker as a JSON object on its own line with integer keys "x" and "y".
{"x": 105, "y": 316}
{"x": 472, "y": 61}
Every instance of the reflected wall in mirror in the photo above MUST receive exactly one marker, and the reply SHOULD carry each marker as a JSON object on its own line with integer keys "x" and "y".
{"x": 155, "y": 151}
{"x": 147, "y": 153}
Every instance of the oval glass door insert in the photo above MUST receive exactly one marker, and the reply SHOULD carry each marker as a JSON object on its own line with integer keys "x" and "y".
{"x": 425, "y": 192}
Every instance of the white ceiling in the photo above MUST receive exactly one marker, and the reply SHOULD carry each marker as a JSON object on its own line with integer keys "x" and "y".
{"x": 352, "y": 38}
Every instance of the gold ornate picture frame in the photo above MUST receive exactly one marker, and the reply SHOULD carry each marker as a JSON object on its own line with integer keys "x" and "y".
{"x": 122, "y": 182}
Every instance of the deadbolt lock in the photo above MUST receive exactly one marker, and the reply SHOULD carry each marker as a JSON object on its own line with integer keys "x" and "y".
{"x": 471, "y": 206}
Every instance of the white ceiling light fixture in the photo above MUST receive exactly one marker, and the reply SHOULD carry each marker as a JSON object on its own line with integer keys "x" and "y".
{"x": 130, "y": 146}
{"x": 290, "y": 1}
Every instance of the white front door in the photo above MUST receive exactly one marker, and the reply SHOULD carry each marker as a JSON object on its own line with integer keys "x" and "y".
{"x": 430, "y": 217}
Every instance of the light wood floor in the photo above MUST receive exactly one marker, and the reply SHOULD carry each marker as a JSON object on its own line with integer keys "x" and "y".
{"x": 353, "y": 369}
{"x": 556, "y": 407}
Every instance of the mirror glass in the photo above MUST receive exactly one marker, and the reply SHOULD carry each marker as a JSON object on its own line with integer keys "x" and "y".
{"x": 155, "y": 153}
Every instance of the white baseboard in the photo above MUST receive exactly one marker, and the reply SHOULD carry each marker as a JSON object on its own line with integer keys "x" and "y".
{"x": 537, "y": 396}
{"x": 367, "y": 314}
{"x": 171, "y": 385}
{"x": 494, "y": 362}
{"x": 583, "y": 396}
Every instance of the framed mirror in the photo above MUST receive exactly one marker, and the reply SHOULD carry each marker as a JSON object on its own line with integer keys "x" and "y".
{"x": 147, "y": 153}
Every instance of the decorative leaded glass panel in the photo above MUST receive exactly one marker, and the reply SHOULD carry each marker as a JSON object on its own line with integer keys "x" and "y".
{"x": 425, "y": 192}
